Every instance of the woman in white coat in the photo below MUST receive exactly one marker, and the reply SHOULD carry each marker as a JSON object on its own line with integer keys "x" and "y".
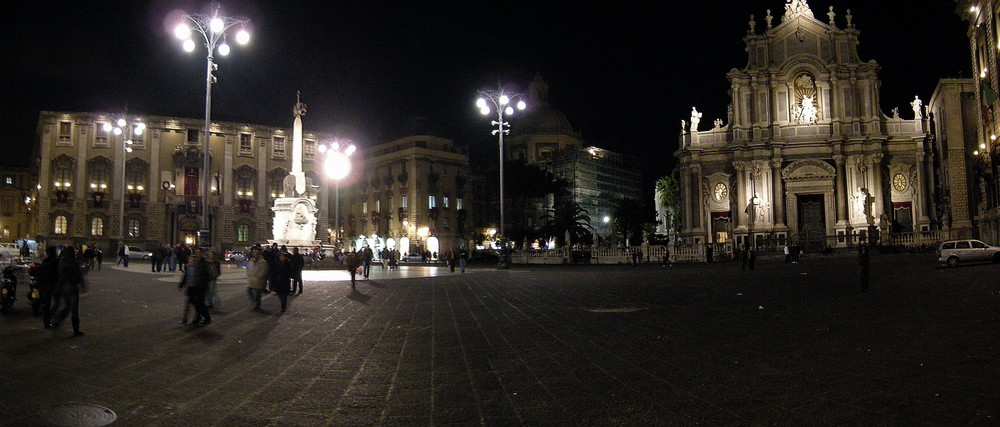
{"x": 256, "y": 278}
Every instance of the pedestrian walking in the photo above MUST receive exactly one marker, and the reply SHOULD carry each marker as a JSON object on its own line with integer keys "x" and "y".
{"x": 864, "y": 259}
{"x": 183, "y": 256}
{"x": 788, "y": 255}
{"x": 171, "y": 257}
{"x": 463, "y": 259}
{"x": 195, "y": 285}
{"x": 384, "y": 256}
{"x": 281, "y": 279}
{"x": 298, "y": 263}
{"x": 256, "y": 278}
{"x": 47, "y": 276}
{"x": 743, "y": 258}
{"x": 99, "y": 255}
{"x": 366, "y": 258}
{"x": 751, "y": 257}
{"x": 156, "y": 259}
{"x": 352, "y": 262}
{"x": 449, "y": 257}
{"x": 70, "y": 285}
{"x": 214, "y": 270}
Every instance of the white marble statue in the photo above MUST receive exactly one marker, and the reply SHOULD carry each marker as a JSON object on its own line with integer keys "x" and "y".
{"x": 807, "y": 113}
{"x": 695, "y": 119}
{"x": 295, "y": 212}
{"x": 917, "y": 105}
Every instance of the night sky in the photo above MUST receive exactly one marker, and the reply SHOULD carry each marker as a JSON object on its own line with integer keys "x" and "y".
{"x": 624, "y": 73}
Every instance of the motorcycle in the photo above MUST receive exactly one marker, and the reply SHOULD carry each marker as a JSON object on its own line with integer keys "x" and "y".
{"x": 8, "y": 287}
{"x": 34, "y": 292}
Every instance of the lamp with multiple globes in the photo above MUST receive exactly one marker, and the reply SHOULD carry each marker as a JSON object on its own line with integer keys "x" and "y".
{"x": 121, "y": 128}
{"x": 336, "y": 166}
{"x": 502, "y": 103}
{"x": 214, "y": 29}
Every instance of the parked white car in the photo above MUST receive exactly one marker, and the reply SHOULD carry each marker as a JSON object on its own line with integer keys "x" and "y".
{"x": 955, "y": 252}
{"x": 9, "y": 251}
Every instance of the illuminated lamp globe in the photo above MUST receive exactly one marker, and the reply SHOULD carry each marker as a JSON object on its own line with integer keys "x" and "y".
{"x": 350, "y": 150}
{"x": 337, "y": 166}
{"x": 217, "y": 25}
{"x": 224, "y": 49}
{"x": 521, "y": 105}
{"x": 182, "y": 32}
{"x": 504, "y": 99}
{"x": 509, "y": 110}
{"x": 484, "y": 110}
{"x": 243, "y": 37}
{"x": 107, "y": 127}
{"x": 188, "y": 45}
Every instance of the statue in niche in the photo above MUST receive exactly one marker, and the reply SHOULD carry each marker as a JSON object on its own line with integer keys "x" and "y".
{"x": 806, "y": 109}
{"x": 695, "y": 119}
{"x": 864, "y": 201}
{"x": 917, "y": 105}
{"x": 753, "y": 210}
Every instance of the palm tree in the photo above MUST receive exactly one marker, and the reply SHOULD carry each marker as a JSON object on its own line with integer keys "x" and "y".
{"x": 669, "y": 190}
{"x": 631, "y": 218}
{"x": 567, "y": 216}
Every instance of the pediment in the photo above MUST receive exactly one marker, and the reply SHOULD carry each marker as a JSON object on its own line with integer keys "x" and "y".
{"x": 810, "y": 169}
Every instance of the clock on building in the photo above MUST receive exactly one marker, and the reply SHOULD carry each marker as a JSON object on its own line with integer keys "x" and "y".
{"x": 721, "y": 192}
{"x": 899, "y": 182}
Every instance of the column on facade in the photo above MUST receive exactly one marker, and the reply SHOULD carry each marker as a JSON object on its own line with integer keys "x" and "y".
{"x": 841, "y": 189}
{"x": 740, "y": 193}
{"x": 777, "y": 201}
{"x": 878, "y": 192}
{"x": 923, "y": 195}
{"x": 696, "y": 207}
{"x": 685, "y": 197}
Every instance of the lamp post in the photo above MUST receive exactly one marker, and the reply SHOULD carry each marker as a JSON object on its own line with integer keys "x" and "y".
{"x": 213, "y": 28}
{"x": 500, "y": 101}
{"x": 122, "y": 128}
{"x": 336, "y": 166}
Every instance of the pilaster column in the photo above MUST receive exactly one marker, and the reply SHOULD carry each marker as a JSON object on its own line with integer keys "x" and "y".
{"x": 686, "y": 198}
{"x": 777, "y": 201}
{"x": 881, "y": 201}
{"x": 924, "y": 194}
{"x": 696, "y": 199}
{"x": 740, "y": 194}
{"x": 841, "y": 189}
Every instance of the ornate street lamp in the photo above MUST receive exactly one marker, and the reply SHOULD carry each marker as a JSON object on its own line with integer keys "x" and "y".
{"x": 214, "y": 30}
{"x": 336, "y": 166}
{"x": 500, "y": 101}
{"x": 122, "y": 128}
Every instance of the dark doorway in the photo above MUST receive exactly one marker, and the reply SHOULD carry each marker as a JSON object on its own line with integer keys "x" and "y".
{"x": 720, "y": 227}
{"x": 902, "y": 217}
{"x": 812, "y": 225}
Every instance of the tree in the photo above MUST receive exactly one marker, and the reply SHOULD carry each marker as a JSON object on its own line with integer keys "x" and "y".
{"x": 567, "y": 215}
{"x": 669, "y": 190}
{"x": 631, "y": 218}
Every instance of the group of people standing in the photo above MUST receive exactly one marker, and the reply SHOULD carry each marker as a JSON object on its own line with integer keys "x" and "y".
{"x": 460, "y": 256}
{"x": 60, "y": 283}
{"x": 274, "y": 269}
{"x": 167, "y": 257}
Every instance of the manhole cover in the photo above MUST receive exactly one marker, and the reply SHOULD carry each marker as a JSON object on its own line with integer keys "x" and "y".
{"x": 79, "y": 415}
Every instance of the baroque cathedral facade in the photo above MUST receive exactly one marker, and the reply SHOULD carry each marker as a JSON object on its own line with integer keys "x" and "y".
{"x": 807, "y": 155}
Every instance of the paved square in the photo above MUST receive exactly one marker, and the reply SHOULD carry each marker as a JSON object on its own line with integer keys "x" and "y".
{"x": 789, "y": 344}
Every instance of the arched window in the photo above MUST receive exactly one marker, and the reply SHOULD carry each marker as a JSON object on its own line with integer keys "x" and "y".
{"x": 242, "y": 233}
{"x": 97, "y": 227}
{"x": 133, "y": 228}
{"x": 60, "y": 225}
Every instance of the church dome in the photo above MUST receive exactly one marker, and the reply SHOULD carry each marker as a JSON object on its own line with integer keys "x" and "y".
{"x": 540, "y": 117}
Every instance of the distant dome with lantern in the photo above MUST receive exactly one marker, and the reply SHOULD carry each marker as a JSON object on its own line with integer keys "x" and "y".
{"x": 540, "y": 117}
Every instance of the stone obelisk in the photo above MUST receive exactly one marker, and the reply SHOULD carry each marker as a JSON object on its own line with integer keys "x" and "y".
{"x": 300, "y": 177}
{"x": 295, "y": 211}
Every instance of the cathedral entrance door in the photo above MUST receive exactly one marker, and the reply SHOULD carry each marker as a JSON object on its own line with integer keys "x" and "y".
{"x": 812, "y": 231}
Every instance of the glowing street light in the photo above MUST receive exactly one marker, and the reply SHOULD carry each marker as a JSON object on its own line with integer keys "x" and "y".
{"x": 499, "y": 102}
{"x": 122, "y": 128}
{"x": 214, "y": 30}
{"x": 336, "y": 166}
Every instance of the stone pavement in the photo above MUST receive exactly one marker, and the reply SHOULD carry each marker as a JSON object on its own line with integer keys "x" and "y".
{"x": 794, "y": 344}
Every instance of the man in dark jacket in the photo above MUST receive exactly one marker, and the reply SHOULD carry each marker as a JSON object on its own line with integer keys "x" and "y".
{"x": 69, "y": 286}
{"x": 281, "y": 278}
{"x": 298, "y": 263}
{"x": 47, "y": 275}
{"x": 195, "y": 285}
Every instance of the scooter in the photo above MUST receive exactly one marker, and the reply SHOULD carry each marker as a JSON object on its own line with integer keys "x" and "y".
{"x": 34, "y": 293}
{"x": 8, "y": 287}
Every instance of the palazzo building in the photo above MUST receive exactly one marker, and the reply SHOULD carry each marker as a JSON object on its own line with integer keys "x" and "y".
{"x": 806, "y": 154}
{"x": 17, "y": 201}
{"x": 413, "y": 194}
{"x": 94, "y": 189}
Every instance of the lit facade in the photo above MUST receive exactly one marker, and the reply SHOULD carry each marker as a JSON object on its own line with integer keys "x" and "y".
{"x": 805, "y": 154}
{"x": 81, "y": 180}
{"x": 17, "y": 204}
{"x": 959, "y": 199}
{"x": 412, "y": 194}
